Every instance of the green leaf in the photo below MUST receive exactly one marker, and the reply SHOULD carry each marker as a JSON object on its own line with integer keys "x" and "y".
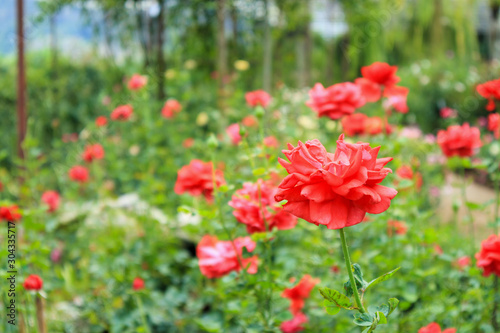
{"x": 363, "y": 319}
{"x": 336, "y": 297}
{"x": 382, "y": 278}
{"x": 331, "y": 307}
{"x": 358, "y": 277}
{"x": 381, "y": 318}
{"x": 393, "y": 304}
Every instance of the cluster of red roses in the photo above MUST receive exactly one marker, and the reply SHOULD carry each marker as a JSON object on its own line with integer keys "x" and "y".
{"x": 491, "y": 91}
{"x": 343, "y": 99}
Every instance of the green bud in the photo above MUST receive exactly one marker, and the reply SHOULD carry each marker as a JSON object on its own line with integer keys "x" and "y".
{"x": 243, "y": 131}
{"x": 259, "y": 112}
{"x": 212, "y": 142}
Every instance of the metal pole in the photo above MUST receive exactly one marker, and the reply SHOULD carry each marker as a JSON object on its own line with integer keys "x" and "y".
{"x": 21, "y": 80}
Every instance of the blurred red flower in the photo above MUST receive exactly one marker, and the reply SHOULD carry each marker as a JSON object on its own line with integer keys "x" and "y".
{"x": 137, "y": 81}
{"x": 258, "y": 97}
{"x": 447, "y": 112}
{"x": 294, "y": 325}
{"x": 188, "y": 143}
{"x": 250, "y": 121}
{"x": 10, "y": 213}
{"x": 233, "y": 131}
{"x": 101, "y": 121}
{"x": 335, "y": 101}
{"x": 435, "y": 328}
{"x": 171, "y": 108}
{"x": 33, "y": 282}
{"x": 79, "y": 174}
{"x": 271, "y": 142}
{"x": 381, "y": 73}
{"x": 52, "y": 200}
{"x": 494, "y": 124}
{"x": 336, "y": 190}
{"x": 370, "y": 90}
{"x": 93, "y": 152}
{"x": 300, "y": 293}
{"x": 70, "y": 137}
{"x": 491, "y": 91}
{"x": 396, "y": 227}
{"x": 122, "y": 112}
{"x": 196, "y": 179}
{"x": 260, "y": 215}
{"x": 354, "y": 124}
{"x": 459, "y": 140}
{"x": 138, "y": 284}
{"x": 375, "y": 125}
{"x": 488, "y": 258}
{"x": 396, "y": 99}
{"x": 463, "y": 262}
{"x": 218, "y": 258}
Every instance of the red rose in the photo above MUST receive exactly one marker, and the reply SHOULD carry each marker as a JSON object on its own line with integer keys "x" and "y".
{"x": 93, "y": 152}
{"x": 375, "y": 125}
{"x": 405, "y": 172}
{"x": 218, "y": 258}
{"x": 396, "y": 99}
{"x": 271, "y": 142}
{"x": 294, "y": 325}
{"x": 335, "y": 101}
{"x": 33, "y": 282}
{"x": 435, "y": 328}
{"x": 10, "y": 213}
{"x": 463, "y": 262}
{"x": 234, "y": 133}
{"x": 489, "y": 257}
{"x": 196, "y": 179}
{"x": 494, "y": 124}
{"x": 101, "y": 121}
{"x": 138, "y": 284}
{"x": 171, "y": 108}
{"x": 396, "y": 227}
{"x": 447, "y": 112}
{"x": 264, "y": 216}
{"x": 258, "y": 97}
{"x": 354, "y": 124}
{"x": 300, "y": 293}
{"x": 336, "y": 190}
{"x": 459, "y": 140}
{"x": 137, "y": 81}
{"x": 79, "y": 174}
{"x": 249, "y": 121}
{"x": 51, "y": 199}
{"x": 122, "y": 112}
{"x": 188, "y": 143}
{"x": 381, "y": 73}
{"x": 370, "y": 90}
{"x": 491, "y": 91}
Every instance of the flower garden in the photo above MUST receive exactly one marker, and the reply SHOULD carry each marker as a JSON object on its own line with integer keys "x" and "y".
{"x": 324, "y": 209}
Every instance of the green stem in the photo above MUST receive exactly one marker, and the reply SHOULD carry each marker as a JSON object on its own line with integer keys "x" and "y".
{"x": 348, "y": 265}
{"x": 268, "y": 257}
{"x": 494, "y": 321}
{"x": 143, "y": 315}
{"x": 215, "y": 194}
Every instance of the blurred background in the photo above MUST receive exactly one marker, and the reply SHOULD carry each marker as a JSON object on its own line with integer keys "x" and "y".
{"x": 79, "y": 49}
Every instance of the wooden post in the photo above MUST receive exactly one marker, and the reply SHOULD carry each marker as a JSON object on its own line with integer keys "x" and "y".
{"x": 21, "y": 80}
